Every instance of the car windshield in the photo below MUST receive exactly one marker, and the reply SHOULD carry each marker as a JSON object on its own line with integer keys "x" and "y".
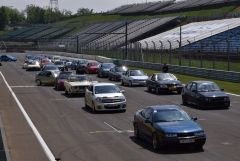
{"x": 51, "y": 68}
{"x": 93, "y": 64}
{"x": 136, "y": 73}
{"x": 170, "y": 115}
{"x": 166, "y": 76}
{"x": 64, "y": 75}
{"x": 59, "y": 63}
{"x": 106, "y": 89}
{"x": 77, "y": 78}
{"x": 121, "y": 69}
{"x": 206, "y": 87}
{"x": 108, "y": 66}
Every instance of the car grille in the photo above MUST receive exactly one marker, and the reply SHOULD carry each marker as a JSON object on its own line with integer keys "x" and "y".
{"x": 185, "y": 134}
{"x": 112, "y": 107}
{"x": 217, "y": 99}
{"x": 111, "y": 100}
{"x": 171, "y": 85}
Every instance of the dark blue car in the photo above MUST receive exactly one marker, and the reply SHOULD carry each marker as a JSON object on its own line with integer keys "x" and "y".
{"x": 7, "y": 58}
{"x": 168, "y": 125}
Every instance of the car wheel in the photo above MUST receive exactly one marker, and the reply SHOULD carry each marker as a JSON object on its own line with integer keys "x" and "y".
{"x": 130, "y": 84}
{"x": 93, "y": 108}
{"x": 66, "y": 92}
{"x": 155, "y": 141}
{"x": 184, "y": 102}
{"x": 39, "y": 83}
{"x": 157, "y": 90}
{"x": 179, "y": 91}
{"x": 122, "y": 83}
{"x": 148, "y": 88}
{"x": 199, "y": 147}
{"x": 136, "y": 131}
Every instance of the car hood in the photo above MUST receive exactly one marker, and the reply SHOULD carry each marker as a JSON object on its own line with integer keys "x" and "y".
{"x": 84, "y": 83}
{"x": 178, "y": 126}
{"x": 144, "y": 77}
{"x": 169, "y": 82}
{"x": 109, "y": 95}
{"x": 214, "y": 94}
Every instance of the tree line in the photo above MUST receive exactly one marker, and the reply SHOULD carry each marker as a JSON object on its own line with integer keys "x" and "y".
{"x": 35, "y": 15}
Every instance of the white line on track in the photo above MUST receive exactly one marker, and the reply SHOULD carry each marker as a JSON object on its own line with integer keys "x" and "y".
{"x": 30, "y": 123}
{"x": 24, "y": 86}
{"x": 234, "y": 94}
{"x": 112, "y": 127}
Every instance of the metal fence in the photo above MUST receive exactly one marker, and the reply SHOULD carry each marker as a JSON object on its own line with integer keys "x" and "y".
{"x": 158, "y": 53}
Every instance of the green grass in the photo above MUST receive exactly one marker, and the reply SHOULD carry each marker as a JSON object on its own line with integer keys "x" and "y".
{"x": 227, "y": 86}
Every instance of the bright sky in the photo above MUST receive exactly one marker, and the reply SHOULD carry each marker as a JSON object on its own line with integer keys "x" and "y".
{"x": 73, "y": 5}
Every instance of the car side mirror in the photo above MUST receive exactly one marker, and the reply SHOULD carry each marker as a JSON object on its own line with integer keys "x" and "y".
{"x": 194, "y": 118}
{"x": 147, "y": 121}
{"x": 194, "y": 91}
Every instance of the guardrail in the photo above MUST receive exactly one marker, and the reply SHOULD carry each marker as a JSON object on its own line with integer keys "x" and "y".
{"x": 193, "y": 71}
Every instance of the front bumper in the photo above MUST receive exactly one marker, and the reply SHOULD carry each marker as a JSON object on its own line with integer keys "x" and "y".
{"x": 212, "y": 104}
{"x": 78, "y": 89}
{"x": 139, "y": 82}
{"x": 110, "y": 106}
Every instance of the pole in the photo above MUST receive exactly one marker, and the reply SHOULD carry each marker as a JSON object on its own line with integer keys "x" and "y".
{"x": 77, "y": 44}
{"x": 126, "y": 40}
{"x": 180, "y": 43}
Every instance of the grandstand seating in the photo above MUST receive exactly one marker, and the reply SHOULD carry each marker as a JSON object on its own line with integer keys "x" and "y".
{"x": 135, "y": 30}
{"x": 194, "y": 4}
{"x": 141, "y": 7}
{"x": 203, "y": 36}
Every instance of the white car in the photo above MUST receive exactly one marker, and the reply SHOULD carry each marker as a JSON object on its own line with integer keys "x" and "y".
{"x": 76, "y": 84}
{"x": 32, "y": 65}
{"x": 134, "y": 77}
{"x": 104, "y": 97}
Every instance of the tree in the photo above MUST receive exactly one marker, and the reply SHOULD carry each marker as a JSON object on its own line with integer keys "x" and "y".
{"x": 3, "y": 18}
{"x": 84, "y": 11}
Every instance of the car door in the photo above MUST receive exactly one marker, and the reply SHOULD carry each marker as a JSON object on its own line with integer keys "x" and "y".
{"x": 124, "y": 76}
{"x": 147, "y": 127}
{"x": 186, "y": 91}
{"x": 193, "y": 93}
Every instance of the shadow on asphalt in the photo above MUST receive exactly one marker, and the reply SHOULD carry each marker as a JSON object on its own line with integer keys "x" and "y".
{"x": 166, "y": 150}
{"x": 162, "y": 93}
{"x": 89, "y": 110}
{"x": 72, "y": 95}
{"x": 205, "y": 108}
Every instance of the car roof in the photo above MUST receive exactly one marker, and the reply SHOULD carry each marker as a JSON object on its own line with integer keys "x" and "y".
{"x": 165, "y": 107}
{"x": 103, "y": 84}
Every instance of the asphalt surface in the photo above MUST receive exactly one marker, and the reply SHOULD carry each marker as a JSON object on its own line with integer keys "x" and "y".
{"x": 74, "y": 133}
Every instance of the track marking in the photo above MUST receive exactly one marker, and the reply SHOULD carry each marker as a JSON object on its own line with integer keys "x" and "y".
{"x": 24, "y": 86}
{"x": 111, "y": 131}
{"x": 118, "y": 131}
{"x": 234, "y": 94}
{"x": 30, "y": 123}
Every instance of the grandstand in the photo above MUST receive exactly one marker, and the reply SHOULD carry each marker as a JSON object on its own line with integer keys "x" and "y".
{"x": 206, "y": 36}
{"x": 170, "y": 6}
{"x": 136, "y": 30}
{"x": 35, "y": 33}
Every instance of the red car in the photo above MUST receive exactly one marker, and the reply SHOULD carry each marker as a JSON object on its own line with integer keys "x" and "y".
{"x": 92, "y": 67}
{"x": 59, "y": 83}
{"x": 45, "y": 61}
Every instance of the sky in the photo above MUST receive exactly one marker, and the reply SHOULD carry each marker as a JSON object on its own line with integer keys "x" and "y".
{"x": 73, "y": 5}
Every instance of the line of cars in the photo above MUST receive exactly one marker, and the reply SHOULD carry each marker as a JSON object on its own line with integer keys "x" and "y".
{"x": 162, "y": 125}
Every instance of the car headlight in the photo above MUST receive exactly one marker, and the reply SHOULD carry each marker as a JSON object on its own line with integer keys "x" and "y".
{"x": 122, "y": 99}
{"x": 99, "y": 100}
{"x": 207, "y": 99}
{"x": 201, "y": 133}
{"x": 37, "y": 63}
{"x": 163, "y": 86}
{"x": 170, "y": 135}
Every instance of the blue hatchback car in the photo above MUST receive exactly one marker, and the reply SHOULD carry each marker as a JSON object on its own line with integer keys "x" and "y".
{"x": 168, "y": 125}
{"x": 7, "y": 58}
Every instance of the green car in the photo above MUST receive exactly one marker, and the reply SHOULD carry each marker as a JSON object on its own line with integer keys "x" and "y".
{"x": 46, "y": 77}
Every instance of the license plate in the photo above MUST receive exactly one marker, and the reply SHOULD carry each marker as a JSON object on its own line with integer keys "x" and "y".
{"x": 172, "y": 88}
{"x": 185, "y": 141}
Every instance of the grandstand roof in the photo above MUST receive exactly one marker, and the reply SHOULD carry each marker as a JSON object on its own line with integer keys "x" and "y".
{"x": 190, "y": 33}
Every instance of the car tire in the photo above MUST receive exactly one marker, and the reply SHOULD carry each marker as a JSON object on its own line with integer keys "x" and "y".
{"x": 155, "y": 143}
{"x": 39, "y": 83}
{"x": 122, "y": 83}
{"x": 130, "y": 84}
{"x": 149, "y": 89}
{"x": 184, "y": 102}
{"x": 136, "y": 131}
{"x": 179, "y": 91}
{"x": 198, "y": 147}
{"x": 93, "y": 108}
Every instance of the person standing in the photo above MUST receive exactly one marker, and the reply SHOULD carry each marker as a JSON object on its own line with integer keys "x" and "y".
{"x": 165, "y": 68}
